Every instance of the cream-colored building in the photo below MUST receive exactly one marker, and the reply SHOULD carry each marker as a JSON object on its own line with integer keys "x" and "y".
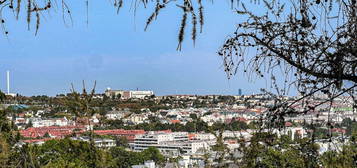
{"x": 137, "y": 94}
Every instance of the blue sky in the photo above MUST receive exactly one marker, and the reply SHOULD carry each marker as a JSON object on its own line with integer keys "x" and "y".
{"x": 115, "y": 51}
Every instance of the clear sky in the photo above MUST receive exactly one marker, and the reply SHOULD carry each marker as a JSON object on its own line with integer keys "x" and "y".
{"x": 115, "y": 51}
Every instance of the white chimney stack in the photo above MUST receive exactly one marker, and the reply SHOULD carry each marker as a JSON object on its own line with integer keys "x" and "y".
{"x": 8, "y": 81}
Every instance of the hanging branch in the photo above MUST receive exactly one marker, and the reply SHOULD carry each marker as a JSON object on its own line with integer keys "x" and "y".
{"x": 194, "y": 27}
{"x": 182, "y": 31}
{"x": 154, "y": 15}
{"x": 200, "y": 13}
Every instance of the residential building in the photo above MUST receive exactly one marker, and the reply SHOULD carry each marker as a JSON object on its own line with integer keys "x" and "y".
{"x": 147, "y": 164}
{"x": 98, "y": 142}
{"x": 113, "y": 93}
{"x": 169, "y": 144}
{"x": 39, "y": 122}
{"x": 115, "y": 115}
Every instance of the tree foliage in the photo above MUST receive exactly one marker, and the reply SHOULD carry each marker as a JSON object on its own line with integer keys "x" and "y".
{"x": 75, "y": 154}
{"x": 312, "y": 44}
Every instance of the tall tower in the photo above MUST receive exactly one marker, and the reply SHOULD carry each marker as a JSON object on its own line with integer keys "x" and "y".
{"x": 239, "y": 92}
{"x": 8, "y": 81}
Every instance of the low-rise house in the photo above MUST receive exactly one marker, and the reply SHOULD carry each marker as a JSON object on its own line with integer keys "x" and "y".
{"x": 137, "y": 118}
{"x": 34, "y": 141}
{"x": 20, "y": 121}
{"x": 147, "y": 164}
{"x": 292, "y": 132}
{"x": 101, "y": 143}
{"x": 203, "y": 136}
{"x": 114, "y": 115}
{"x": 98, "y": 142}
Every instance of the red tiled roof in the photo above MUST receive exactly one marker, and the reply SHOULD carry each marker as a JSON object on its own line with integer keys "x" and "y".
{"x": 288, "y": 124}
{"x": 338, "y": 130}
{"x": 175, "y": 121}
{"x": 57, "y": 131}
{"x": 241, "y": 119}
{"x": 119, "y": 132}
{"x": 191, "y": 136}
{"x": 60, "y": 132}
{"x": 163, "y": 131}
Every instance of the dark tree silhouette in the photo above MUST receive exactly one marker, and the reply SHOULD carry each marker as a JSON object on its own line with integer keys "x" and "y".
{"x": 313, "y": 44}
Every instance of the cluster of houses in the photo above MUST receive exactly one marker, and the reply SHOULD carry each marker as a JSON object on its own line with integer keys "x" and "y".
{"x": 179, "y": 115}
{"x": 170, "y": 143}
{"x": 190, "y": 146}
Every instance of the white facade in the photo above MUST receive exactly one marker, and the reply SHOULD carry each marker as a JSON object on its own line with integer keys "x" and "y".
{"x": 137, "y": 118}
{"x": 293, "y": 132}
{"x": 137, "y": 94}
{"x": 114, "y": 115}
{"x": 104, "y": 143}
{"x": 169, "y": 144}
{"x": 147, "y": 164}
{"x": 205, "y": 136}
{"x": 140, "y": 94}
{"x": 37, "y": 122}
{"x": 101, "y": 143}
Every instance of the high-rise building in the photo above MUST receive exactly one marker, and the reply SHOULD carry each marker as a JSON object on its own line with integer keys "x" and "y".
{"x": 239, "y": 92}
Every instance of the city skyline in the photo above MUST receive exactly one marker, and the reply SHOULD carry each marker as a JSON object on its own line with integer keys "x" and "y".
{"x": 89, "y": 85}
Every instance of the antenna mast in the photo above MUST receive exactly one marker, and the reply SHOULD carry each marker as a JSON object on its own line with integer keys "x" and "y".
{"x": 8, "y": 81}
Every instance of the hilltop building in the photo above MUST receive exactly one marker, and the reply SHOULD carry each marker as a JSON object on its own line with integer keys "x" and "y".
{"x": 122, "y": 94}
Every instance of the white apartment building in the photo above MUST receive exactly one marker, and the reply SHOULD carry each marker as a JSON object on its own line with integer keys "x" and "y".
{"x": 169, "y": 144}
{"x": 38, "y": 122}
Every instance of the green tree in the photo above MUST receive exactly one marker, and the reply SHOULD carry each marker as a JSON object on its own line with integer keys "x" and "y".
{"x": 125, "y": 159}
{"x": 347, "y": 157}
{"x": 238, "y": 125}
{"x": 67, "y": 151}
{"x": 82, "y": 106}
{"x": 4, "y": 151}
{"x": 267, "y": 150}
{"x": 2, "y": 96}
{"x": 193, "y": 116}
{"x": 154, "y": 154}
{"x": 122, "y": 142}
